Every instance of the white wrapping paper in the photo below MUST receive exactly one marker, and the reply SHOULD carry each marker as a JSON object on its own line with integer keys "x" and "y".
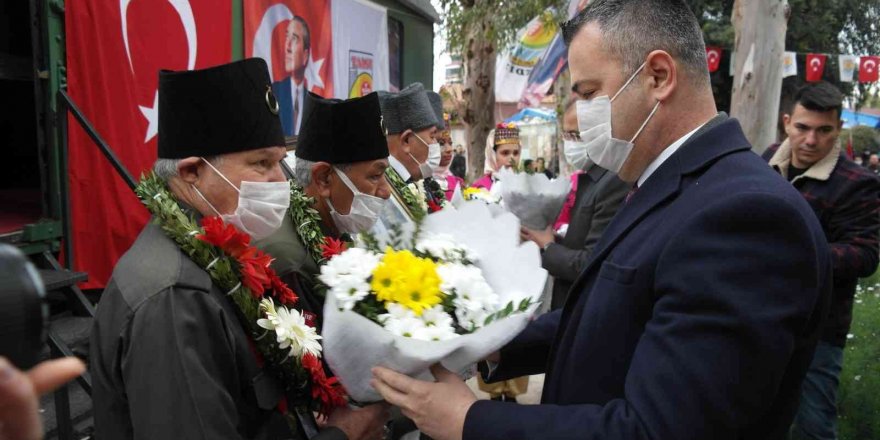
{"x": 354, "y": 344}
{"x": 533, "y": 198}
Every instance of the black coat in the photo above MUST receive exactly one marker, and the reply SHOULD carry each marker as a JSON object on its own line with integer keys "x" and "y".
{"x": 696, "y": 318}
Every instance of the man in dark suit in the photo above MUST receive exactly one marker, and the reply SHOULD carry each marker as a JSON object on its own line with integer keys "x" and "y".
{"x": 701, "y": 307}
{"x": 291, "y": 89}
{"x": 599, "y": 194}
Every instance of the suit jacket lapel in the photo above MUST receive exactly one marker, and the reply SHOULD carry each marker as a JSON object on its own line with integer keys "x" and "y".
{"x": 661, "y": 186}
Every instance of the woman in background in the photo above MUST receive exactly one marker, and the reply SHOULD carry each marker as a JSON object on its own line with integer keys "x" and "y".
{"x": 502, "y": 151}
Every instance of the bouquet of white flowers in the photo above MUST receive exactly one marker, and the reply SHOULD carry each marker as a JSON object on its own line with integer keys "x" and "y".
{"x": 533, "y": 198}
{"x": 452, "y": 290}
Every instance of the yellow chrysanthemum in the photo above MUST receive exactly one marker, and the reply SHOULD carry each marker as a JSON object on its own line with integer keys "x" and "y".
{"x": 405, "y": 279}
{"x": 469, "y": 193}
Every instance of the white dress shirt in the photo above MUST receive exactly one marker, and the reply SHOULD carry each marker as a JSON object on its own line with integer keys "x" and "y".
{"x": 296, "y": 92}
{"x": 400, "y": 168}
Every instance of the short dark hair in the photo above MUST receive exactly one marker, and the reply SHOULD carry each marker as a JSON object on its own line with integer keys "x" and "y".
{"x": 633, "y": 28}
{"x": 307, "y": 34}
{"x": 819, "y": 97}
{"x": 458, "y": 167}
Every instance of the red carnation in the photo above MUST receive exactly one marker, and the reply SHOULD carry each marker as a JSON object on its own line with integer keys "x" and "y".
{"x": 283, "y": 293}
{"x": 327, "y": 392}
{"x": 332, "y": 247}
{"x": 255, "y": 271}
{"x": 433, "y": 206}
{"x": 226, "y": 237}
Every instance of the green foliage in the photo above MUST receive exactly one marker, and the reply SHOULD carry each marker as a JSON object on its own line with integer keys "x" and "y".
{"x": 307, "y": 222}
{"x": 859, "y": 396}
{"x": 501, "y": 19}
{"x": 864, "y": 139}
{"x": 411, "y": 200}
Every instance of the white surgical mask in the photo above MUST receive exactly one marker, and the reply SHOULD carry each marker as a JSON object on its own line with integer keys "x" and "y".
{"x": 434, "y": 153}
{"x": 575, "y": 153}
{"x": 261, "y": 206}
{"x": 594, "y": 123}
{"x": 364, "y": 212}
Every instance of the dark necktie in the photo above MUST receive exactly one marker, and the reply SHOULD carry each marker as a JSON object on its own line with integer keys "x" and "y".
{"x": 632, "y": 192}
{"x": 295, "y": 109}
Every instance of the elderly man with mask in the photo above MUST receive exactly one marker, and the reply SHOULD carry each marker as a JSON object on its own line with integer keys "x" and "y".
{"x": 170, "y": 357}
{"x": 412, "y": 142}
{"x": 701, "y": 306}
{"x": 341, "y": 160}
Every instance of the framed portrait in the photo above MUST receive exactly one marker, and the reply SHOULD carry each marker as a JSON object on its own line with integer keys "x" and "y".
{"x": 395, "y": 212}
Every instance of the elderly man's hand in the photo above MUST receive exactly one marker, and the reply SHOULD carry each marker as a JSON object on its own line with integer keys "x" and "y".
{"x": 541, "y": 238}
{"x": 365, "y": 423}
{"x": 20, "y": 395}
{"x": 438, "y": 409}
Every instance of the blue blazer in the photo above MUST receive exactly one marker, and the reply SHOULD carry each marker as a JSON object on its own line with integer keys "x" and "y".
{"x": 696, "y": 318}
{"x": 282, "y": 89}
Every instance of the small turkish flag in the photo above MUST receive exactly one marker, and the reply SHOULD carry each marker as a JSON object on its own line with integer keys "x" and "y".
{"x": 713, "y": 57}
{"x": 815, "y": 67}
{"x": 868, "y": 69}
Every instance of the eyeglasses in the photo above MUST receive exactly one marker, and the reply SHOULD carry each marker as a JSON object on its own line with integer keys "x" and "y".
{"x": 571, "y": 136}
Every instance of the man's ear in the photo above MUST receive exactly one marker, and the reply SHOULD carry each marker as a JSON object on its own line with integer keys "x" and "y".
{"x": 189, "y": 168}
{"x": 663, "y": 72}
{"x": 405, "y": 138}
{"x": 321, "y": 172}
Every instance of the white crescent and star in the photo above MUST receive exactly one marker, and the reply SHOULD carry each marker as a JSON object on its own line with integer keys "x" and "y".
{"x": 870, "y": 65}
{"x": 713, "y": 55}
{"x": 262, "y": 45}
{"x": 815, "y": 63}
{"x": 187, "y": 19}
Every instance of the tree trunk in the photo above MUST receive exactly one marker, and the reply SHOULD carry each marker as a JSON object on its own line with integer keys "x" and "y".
{"x": 479, "y": 95}
{"x": 760, "y": 27}
{"x": 562, "y": 90}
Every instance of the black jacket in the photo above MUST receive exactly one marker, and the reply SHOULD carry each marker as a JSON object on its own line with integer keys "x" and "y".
{"x": 170, "y": 359}
{"x": 599, "y": 195}
{"x": 846, "y": 199}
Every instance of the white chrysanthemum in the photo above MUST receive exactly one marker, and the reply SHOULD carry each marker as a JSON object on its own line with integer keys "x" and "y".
{"x": 444, "y": 247}
{"x": 356, "y": 262}
{"x": 407, "y": 327}
{"x": 474, "y": 299}
{"x": 350, "y": 291}
{"x": 437, "y": 317}
{"x": 290, "y": 329}
{"x": 435, "y": 333}
{"x": 347, "y": 273}
{"x": 434, "y": 324}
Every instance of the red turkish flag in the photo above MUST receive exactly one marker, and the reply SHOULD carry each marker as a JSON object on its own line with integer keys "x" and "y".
{"x": 815, "y": 67}
{"x": 713, "y": 57}
{"x": 868, "y": 69}
{"x": 114, "y": 53}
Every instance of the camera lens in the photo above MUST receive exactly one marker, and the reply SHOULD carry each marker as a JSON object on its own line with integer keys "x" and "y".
{"x": 22, "y": 308}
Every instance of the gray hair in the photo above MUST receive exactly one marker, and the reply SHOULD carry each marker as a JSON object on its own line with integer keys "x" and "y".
{"x": 302, "y": 170}
{"x": 166, "y": 169}
{"x": 631, "y": 29}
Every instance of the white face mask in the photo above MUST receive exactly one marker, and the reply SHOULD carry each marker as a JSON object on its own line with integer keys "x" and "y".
{"x": 594, "y": 122}
{"x": 261, "y": 206}
{"x": 364, "y": 212}
{"x": 434, "y": 153}
{"x": 575, "y": 153}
